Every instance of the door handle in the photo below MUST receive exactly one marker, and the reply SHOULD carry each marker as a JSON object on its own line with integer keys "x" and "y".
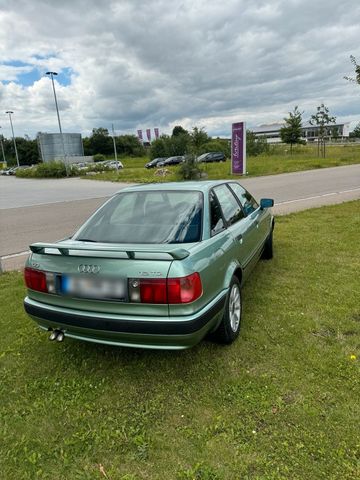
{"x": 240, "y": 238}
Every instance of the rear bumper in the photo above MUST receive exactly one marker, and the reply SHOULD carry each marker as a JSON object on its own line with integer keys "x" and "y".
{"x": 168, "y": 333}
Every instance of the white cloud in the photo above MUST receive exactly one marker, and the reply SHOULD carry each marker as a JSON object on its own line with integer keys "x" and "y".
{"x": 144, "y": 64}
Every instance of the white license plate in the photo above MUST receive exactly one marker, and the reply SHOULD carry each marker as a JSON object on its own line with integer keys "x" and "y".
{"x": 93, "y": 287}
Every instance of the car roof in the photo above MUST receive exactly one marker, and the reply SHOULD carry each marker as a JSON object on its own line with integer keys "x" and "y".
{"x": 202, "y": 186}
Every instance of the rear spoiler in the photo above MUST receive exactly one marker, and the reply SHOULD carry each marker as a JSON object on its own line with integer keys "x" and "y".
{"x": 110, "y": 251}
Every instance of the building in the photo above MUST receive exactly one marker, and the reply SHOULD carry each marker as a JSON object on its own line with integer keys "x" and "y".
{"x": 51, "y": 147}
{"x": 310, "y": 133}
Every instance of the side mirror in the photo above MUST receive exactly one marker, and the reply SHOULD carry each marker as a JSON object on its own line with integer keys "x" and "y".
{"x": 266, "y": 203}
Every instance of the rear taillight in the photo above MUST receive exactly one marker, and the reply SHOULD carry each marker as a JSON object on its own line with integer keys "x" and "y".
{"x": 161, "y": 291}
{"x": 153, "y": 290}
{"x": 184, "y": 289}
{"x": 35, "y": 280}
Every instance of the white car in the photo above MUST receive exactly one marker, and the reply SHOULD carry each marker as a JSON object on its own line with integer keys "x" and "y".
{"x": 113, "y": 164}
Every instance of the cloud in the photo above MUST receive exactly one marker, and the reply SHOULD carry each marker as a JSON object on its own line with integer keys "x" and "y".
{"x": 161, "y": 63}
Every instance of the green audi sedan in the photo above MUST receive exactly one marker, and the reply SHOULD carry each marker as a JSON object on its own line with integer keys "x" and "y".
{"x": 157, "y": 266}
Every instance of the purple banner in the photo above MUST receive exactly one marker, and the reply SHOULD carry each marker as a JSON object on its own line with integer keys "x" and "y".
{"x": 238, "y": 148}
{"x": 156, "y": 131}
{"x": 140, "y": 136}
{"x": 148, "y": 134}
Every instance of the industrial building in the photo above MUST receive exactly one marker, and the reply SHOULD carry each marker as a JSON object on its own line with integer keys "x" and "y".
{"x": 51, "y": 147}
{"x": 310, "y": 133}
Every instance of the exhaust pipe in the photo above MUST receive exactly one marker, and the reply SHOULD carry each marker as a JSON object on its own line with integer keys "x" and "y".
{"x": 60, "y": 336}
{"x": 57, "y": 335}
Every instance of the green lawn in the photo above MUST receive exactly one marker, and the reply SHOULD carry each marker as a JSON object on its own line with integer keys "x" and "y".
{"x": 280, "y": 403}
{"x": 278, "y": 160}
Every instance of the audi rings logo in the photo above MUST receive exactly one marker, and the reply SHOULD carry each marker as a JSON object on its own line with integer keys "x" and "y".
{"x": 88, "y": 268}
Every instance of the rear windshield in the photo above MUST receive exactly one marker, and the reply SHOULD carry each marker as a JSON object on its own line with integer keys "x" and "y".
{"x": 147, "y": 217}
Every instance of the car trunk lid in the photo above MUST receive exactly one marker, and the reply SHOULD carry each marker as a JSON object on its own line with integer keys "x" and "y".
{"x": 77, "y": 270}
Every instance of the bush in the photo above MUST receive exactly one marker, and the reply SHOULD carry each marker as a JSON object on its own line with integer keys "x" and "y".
{"x": 100, "y": 167}
{"x": 99, "y": 157}
{"x": 54, "y": 169}
{"x": 255, "y": 145}
{"x": 190, "y": 170}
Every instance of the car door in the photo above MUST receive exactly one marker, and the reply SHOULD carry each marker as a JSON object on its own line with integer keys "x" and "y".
{"x": 239, "y": 226}
{"x": 259, "y": 219}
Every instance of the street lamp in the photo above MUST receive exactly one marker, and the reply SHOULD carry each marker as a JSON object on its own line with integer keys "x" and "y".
{"x": 113, "y": 135}
{"x": 51, "y": 74}
{"x": 12, "y": 129}
{"x": 2, "y": 148}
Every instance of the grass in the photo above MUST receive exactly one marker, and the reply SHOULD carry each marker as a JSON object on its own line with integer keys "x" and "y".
{"x": 280, "y": 403}
{"x": 277, "y": 161}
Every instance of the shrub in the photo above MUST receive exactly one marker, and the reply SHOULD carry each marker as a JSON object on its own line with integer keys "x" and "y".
{"x": 54, "y": 169}
{"x": 190, "y": 170}
{"x": 255, "y": 145}
{"x": 100, "y": 167}
{"x": 99, "y": 157}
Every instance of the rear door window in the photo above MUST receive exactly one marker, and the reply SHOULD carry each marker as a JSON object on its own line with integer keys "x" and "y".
{"x": 216, "y": 220}
{"x": 229, "y": 205}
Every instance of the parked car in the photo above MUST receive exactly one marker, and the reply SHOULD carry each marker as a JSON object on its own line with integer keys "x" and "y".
{"x": 12, "y": 170}
{"x": 113, "y": 164}
{"x": 157, "y": 266}
{"x": 154, "y": 163}
{"x": 212, "y": 157}
{"x": 82, "y": 165}
{"x": 171, "y": 161}
{"x": 9, "y": 171}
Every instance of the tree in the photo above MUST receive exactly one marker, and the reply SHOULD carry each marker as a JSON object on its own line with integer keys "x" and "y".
{"x": 98, "y": 142}
{"x": 179, "y": 130}
{"x": 28, "y": 151}
{"x": 356, "y": 132}
{"x": 291, "y": 133}
{"x": 255, "y": 145}
{"x": 158, "y": 147}
{"x": 198, "y": 137}
{"x": 322, "y": 120}
{"x": 357, "y": 71}
{"x": 166, "y": 146}
{"x": 129, "y": 145}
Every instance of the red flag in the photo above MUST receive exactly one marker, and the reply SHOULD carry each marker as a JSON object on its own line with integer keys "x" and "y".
{"x": 148, "y": 134}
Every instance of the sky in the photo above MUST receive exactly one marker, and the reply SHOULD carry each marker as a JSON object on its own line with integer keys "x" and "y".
{"x": 160, "y": 63}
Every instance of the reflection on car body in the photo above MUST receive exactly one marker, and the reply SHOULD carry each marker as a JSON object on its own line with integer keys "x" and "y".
{"x": 157, "y": 266}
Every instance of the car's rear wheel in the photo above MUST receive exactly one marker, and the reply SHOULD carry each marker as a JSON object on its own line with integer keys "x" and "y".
{"x": 268, "y": 251}
{"x": 229, "y": 327}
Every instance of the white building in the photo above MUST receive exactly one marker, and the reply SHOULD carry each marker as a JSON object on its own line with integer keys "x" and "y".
{"x": 310, "y": 133}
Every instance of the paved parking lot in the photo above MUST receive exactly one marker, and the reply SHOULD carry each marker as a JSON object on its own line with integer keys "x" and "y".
{"x": 27, "y": 192}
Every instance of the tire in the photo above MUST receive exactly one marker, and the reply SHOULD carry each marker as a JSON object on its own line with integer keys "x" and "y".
{"x": 268, "y": 251}
{"x": 229, "y": 327}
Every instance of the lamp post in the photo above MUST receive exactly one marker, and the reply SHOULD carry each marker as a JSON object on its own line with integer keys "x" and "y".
{"x": 2, "y": 148}
{"x": 12, "y": 129}
{"x": 51, "y": 74}
{"x": 113, "y": 136}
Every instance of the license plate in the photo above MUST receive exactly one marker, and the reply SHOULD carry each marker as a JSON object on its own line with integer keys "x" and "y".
{"x": 93, "y": 287}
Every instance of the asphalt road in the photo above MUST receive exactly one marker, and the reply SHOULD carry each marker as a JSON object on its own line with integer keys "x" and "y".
{"x": 48, "y": 210}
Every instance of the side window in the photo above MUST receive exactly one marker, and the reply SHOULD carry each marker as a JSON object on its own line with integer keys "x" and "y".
{"x": 229, "y": 206}
{"x": 216, "y": 221}
{"x": 248, "y": 202}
